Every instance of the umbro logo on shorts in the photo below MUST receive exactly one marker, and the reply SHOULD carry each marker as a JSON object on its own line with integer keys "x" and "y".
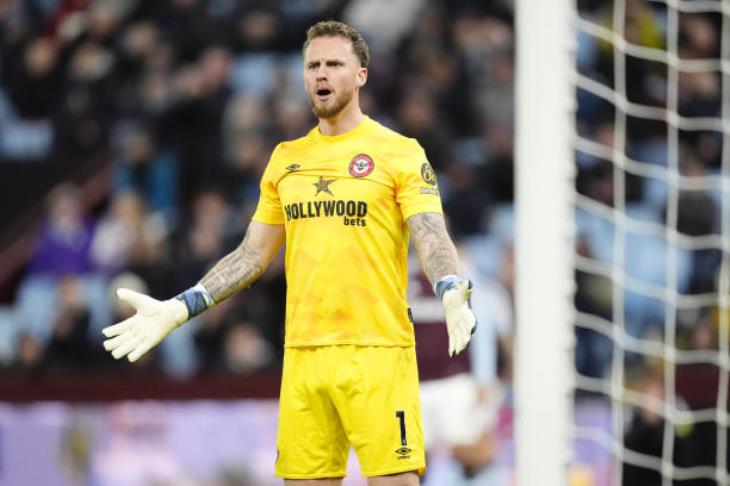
{"x": 404, "y": 453}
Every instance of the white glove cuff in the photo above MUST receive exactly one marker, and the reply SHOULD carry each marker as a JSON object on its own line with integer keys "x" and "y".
{"x": 446, "y": 283}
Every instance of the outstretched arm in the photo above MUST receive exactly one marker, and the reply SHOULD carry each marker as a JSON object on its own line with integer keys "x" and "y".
{"x": 156, "y": 319}
{"x": 439, "y": 261}
{"x": 245, "y": 264}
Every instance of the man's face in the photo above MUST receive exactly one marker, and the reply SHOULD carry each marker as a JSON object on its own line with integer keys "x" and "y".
{"x": 332, "y": 75}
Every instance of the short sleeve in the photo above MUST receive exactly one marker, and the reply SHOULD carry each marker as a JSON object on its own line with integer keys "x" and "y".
{"x": 416, "y": 185}
{"x": 269, "y": 208}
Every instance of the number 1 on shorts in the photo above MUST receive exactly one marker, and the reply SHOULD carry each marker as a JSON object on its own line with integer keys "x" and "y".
{"x": 402, "y": 417}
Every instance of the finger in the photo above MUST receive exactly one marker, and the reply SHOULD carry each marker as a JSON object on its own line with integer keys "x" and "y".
{"x": 460, "y": 347}
{"x": 135, "y": 299}
{"x": 458, "y": 343}
{"x": 139, "y": 351}
{"x": 114, "y": 343}
{"x": 462, "y": 339}
{"x": 118, "y": 328}
{"x": 125, "y": 348}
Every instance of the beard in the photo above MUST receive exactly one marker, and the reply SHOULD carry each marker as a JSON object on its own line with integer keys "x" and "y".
{"x": 326, "y": 110}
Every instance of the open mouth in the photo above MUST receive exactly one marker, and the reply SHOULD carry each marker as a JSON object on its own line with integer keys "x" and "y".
{"x": 323, "y": 93}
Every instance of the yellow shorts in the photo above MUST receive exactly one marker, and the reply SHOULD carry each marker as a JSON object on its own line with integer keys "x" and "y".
{"x": 335, "y": 397}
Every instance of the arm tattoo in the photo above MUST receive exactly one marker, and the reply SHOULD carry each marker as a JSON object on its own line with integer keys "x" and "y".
{"x": 433, "y": 245}
{"x": 234, "y": 272}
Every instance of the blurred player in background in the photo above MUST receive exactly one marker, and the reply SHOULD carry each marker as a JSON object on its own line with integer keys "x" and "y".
{"x": 460, "y": 396}
{"x": 344, "y": 198}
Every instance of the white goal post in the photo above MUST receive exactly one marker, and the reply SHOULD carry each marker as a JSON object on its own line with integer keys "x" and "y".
{"x": 544, "y": 240}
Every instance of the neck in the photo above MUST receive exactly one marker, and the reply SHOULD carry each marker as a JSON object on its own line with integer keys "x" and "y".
{"x": 344, "y": 121}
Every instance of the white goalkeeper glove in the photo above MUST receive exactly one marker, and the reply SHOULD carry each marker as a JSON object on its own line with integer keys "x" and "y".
{"x": 455, "y": 292}
{"x": 143, "y": 331}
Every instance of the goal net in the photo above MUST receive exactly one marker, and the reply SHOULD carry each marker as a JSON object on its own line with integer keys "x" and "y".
{"x": 623, "y": 241}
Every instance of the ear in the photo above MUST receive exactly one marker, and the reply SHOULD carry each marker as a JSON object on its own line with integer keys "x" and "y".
{"x": 362, "y": 77}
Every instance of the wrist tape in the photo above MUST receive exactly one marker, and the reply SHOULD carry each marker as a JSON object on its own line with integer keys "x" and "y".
{"x": 197, "y": 299}
{"x": 446, "y": 283}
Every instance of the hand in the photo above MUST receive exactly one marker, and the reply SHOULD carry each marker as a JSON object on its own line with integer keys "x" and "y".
{"x": 460, "y": 319}
{"x": 143, "y": 331}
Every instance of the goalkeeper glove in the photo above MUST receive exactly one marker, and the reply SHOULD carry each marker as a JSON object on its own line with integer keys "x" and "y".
{"x": 455, "y": 292}
{"x": 143, "y": 331}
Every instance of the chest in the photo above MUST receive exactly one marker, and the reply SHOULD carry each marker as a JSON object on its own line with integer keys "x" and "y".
{"x": 359, "y": 177}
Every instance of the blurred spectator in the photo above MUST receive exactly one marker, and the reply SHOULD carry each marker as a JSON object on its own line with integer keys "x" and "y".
{"x": 418, "y": 118}
{"x": 127, "y": 235}
{"x": 209, "y": 338}
{"x": 193, "y": 123}
{"x": 246, "y": 351}
{"x": 498, "y": 172}
{"x": 29, "y": 358}
{"x": 645, "y": 432}
{"x": 248, "y": 145}
{"x": 466, "y": 199}
{"x": 34, "y": 87}
{"x": 700, "y": 94}
{"x": 141, "y": 70}
{"x": 257, "y": 27}
{"x": 87, "y": 100}
{"x": 693, "y": 443}
{"x": 69, "y": 348}
{"x": 292, "y": 118}
{"x": 382, "y": 22}
{"x": 152, "y": 173}
{"x": 698, "y": 37}
{"x": 189, "y": 27}
{"x": 63, "y": 243}
{"x": 208, "y": 235}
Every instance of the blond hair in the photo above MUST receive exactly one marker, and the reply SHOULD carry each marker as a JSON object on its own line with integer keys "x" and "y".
{"x": 333, "y": 28}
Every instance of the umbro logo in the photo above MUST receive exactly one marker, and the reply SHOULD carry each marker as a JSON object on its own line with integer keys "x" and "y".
{"x": 404, "y": 453}
{"x": 292, "y": 167}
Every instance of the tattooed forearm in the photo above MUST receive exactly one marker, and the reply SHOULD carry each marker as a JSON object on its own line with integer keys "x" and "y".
{"x": 234, "y": 272}
{"x": 434, "y": 247}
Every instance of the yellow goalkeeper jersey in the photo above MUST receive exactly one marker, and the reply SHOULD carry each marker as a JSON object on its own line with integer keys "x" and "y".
{"x": 344, "y": 201}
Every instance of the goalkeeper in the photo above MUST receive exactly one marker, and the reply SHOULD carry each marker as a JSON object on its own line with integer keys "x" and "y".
{"x": 344, "y": 198}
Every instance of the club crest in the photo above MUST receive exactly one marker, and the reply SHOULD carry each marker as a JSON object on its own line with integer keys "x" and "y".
{"x": 361, "y": 165}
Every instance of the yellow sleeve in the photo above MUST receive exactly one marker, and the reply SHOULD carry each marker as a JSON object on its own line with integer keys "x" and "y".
{"x": 416, "y": 186}
{"x": 269, "y": 208}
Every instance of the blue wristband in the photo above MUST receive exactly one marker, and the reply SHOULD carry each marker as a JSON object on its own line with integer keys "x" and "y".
{"x": 197, "y": 299}
{"x": 446, "y": 283}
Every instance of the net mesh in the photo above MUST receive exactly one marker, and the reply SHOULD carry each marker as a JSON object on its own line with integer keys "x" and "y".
{"x": 653, "y": 230}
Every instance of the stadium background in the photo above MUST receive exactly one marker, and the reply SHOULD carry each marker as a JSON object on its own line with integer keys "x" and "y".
{"x": 132, "y": 137}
